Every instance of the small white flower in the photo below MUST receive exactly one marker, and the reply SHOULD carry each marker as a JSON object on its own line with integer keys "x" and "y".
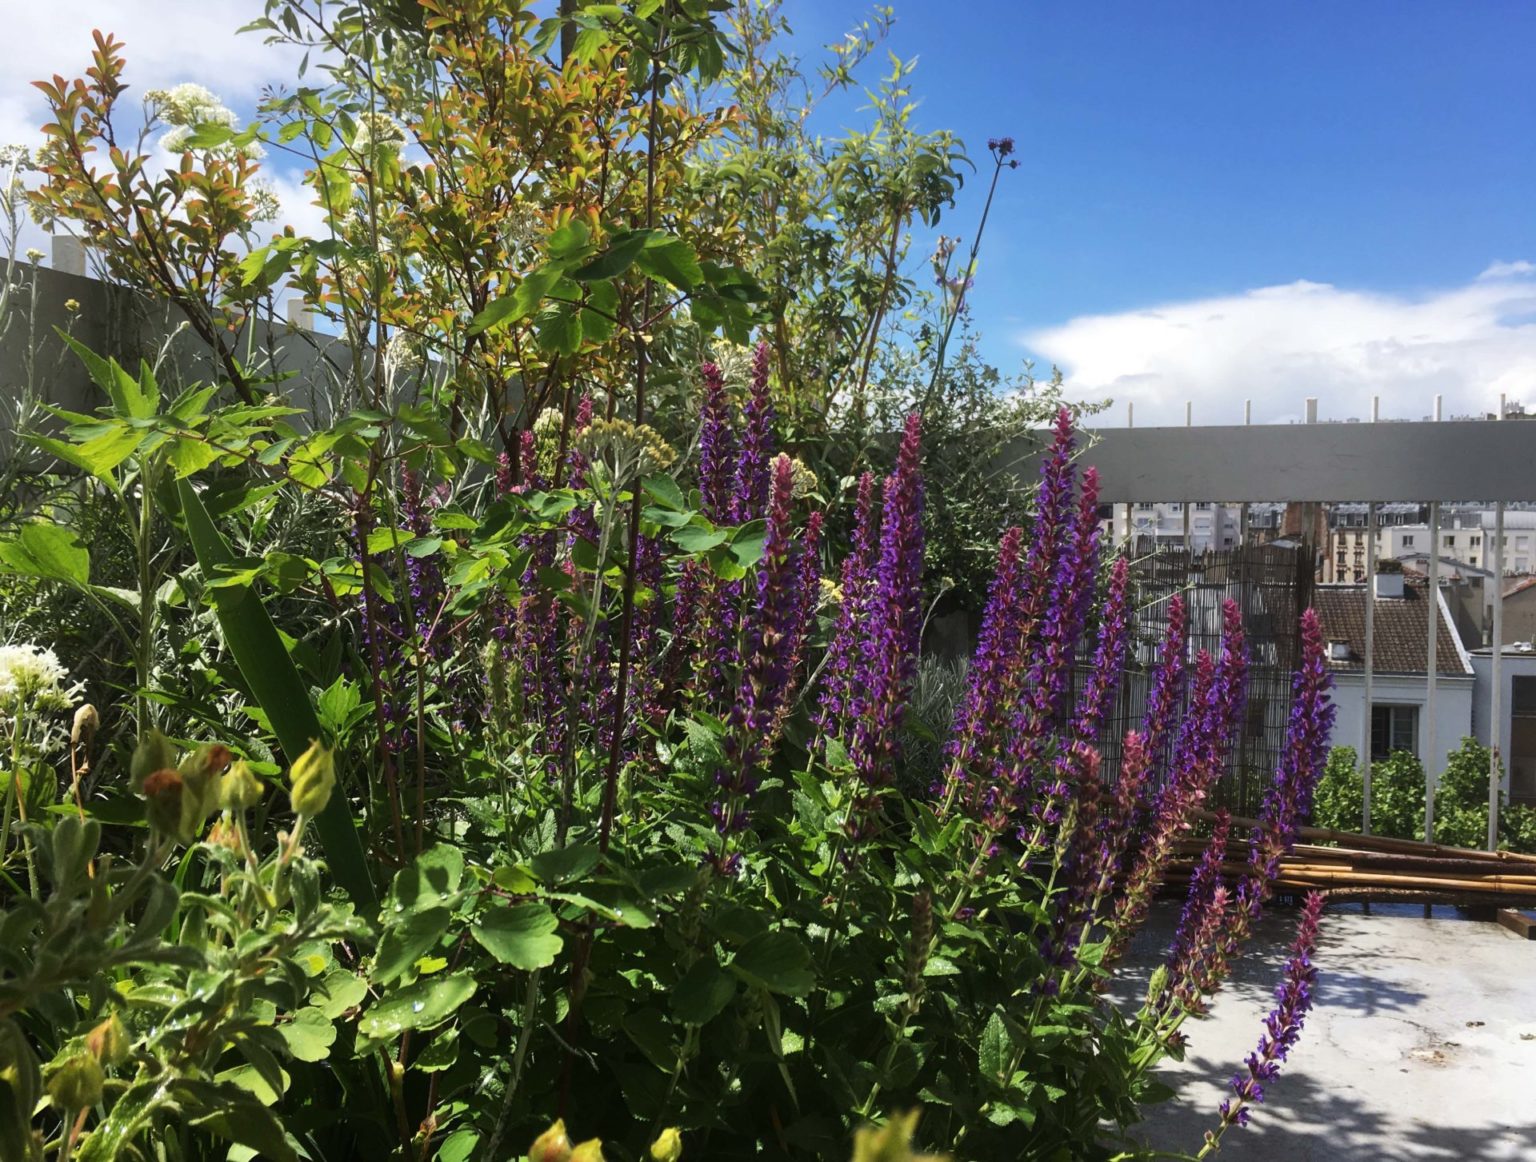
{"x": 33, "y": 676}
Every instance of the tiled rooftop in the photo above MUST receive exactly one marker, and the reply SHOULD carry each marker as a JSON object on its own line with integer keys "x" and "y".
{"x": 1402, "y": 631}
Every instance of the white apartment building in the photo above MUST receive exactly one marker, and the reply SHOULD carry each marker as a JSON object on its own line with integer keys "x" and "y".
{"x": 1466, "y": 535}
{"x": 1210, "y": 526}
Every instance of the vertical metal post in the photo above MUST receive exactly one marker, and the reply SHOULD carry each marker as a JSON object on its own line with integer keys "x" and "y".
{"x": 1242, "y": 511}
{"x": 1431, "y": 734}
{"x": 1189, "y": 422}
{"x": 1496, "y": 697}
{"x": 1370, "y": 665}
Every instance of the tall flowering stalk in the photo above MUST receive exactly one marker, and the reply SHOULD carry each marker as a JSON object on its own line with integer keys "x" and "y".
{"x": 1195, "y": 964}
{"x": 717, "y": 448}
{"x": 889, "y": 657}
{"x": 1282, "y": 1028}
{"x": 754, "y": 465}
{"x": 767, "y": 668}
{"x": 1289, "y": 798}
{"x": 1108, "y": 656}
{"x": 842, "y": 658}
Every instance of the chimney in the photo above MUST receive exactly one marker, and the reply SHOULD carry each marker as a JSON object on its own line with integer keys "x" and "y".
{"x": 68, "y": 254}
{"x": 1389, "y": 584}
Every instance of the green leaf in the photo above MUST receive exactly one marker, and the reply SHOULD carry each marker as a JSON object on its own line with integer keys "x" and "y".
{"x": 131, "y": 398}
{"x": 570, "y": 241}
{"x": 671, "y": 260}
{"x": 343, "y": 991}
{"x": 274, "y": 682}
{"x": 665, "y": 492}
{"x": 48, "y": 551}
{"x": 522, "y": 935}
{"x": 566, "y": 864}
{"x": 403, "y": 944}
{"x": 428, "y": 1002}
{"x": 559, "y": 331}
{"x": 777, "y": 961}
{"x": 232, "y": 1113}
{"x": 620, "y": 255}
{"x": 703, "y": 993}
{"x": 430, "y": 878}
{"x": 995, "y": 1050}
{"x": 309, "y": 1035}
{"x": 521, "y": 303}
{"x": 699, "y": 538}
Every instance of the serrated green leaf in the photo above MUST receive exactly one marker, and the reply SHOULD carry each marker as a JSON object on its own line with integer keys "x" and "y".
{"x": 309, "y": 1036}
{"x": 406, "y": 942}
{"x": 565, "y": 864}
{"x": 777, "y": 961}
{"x": 703, "y": 993}
{"x": 427, "y": 1003}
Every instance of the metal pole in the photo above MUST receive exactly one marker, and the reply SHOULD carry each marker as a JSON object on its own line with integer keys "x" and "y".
{"x": 1370, "y": 665}
{"x": 1189, "y": 422}
{"x": 1496, "y": 698}
{"x": 1431, "y": 735}
{"x": 1242, "y": 511}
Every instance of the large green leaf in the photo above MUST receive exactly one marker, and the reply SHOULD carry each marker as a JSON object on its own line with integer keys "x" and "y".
{"x": 428, "y": 1002}
{"x": 275, "y": 683}
{"x": 522, "y": 935}
{"x": 48, "y": 551}
{"x": 778, "y": 962}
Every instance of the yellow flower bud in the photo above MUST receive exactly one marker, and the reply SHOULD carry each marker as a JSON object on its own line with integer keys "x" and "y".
{"x": 311, "y": 780}
{"x": 551, "y": 1146}
{"x": 241, "y": 789}
{"x": 202, "y": 774}
{"x": 76, "y": 1082}
{"x": 668, "y": 1146}
{"x": 108, "y": 1041}
{"x": 154, "y": 753}
{"x": 589, "y": 1151}
{"x": 163, "y": 795}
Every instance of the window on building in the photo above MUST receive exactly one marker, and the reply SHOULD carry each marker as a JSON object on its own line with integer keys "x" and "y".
{"x": 1143, "y": 506}
{"x": 1407, "y": 541}
{"x": 1520, "y": 542}
{"x": 1202, "y": 505}
{"x": 1449, "y": 540}
{"x": 1393, "y": 727}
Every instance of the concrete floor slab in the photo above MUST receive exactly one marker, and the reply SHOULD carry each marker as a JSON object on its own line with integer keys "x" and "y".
{"x": 1421, "y": 1044}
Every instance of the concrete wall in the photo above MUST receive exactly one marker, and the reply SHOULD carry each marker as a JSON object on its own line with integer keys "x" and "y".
{"x": 1517, "y": 735}
{"x": 1453, "y": 709}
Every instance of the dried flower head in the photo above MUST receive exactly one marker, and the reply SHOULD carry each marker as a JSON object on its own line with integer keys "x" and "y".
{"x": 627, "y": 449}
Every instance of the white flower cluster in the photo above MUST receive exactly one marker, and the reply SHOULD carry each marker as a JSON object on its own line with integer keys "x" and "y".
{"x": 377, "y": 131}
{"x": 187, "y": 108}
{"x": 32, "y": 677}
{"x": 734, "y": 362}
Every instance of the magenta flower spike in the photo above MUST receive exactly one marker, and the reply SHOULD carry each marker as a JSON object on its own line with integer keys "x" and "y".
{"x": 753, "y": 467}
{"x": 834, "y": 714}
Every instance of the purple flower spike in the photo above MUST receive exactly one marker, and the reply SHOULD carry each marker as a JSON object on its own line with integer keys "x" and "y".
{"x": 1289, "y": 798}
{"x": 1195, "y": 960}
{"x": 834, "y": 714}
{"x": 756, "y": 445}
{"x": 889, "y": 657}
{"x": 768, "y": 671}
{"x": 1282, "y": 1027}
{"x": 1108, "y": 656}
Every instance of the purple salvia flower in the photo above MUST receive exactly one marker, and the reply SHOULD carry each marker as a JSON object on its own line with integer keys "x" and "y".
{"x": 1289, "y": 798}
{"x": 717, "y": 448}
{"x": 836, "y": 708}
{"x": 1199, "y": 936}
{"x": 504, "y": 483}
{"x": 889, "y": 657}
{"x": 1282, "y": 1027}
{"x": 766, "y": 679}
{"x": 528, "y": 457}
{"x": 1108, "y": 656}
{"x": 996, "y": 651}
{"x": 1199, "y": 757}
{"x": 753, "y": 468}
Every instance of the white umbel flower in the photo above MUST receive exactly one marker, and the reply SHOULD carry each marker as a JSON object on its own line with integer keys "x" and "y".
{"x": 32, "y": 676}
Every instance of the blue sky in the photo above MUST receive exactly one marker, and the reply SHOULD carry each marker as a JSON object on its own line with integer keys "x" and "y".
{"x": 1176, "y": 153}
{"x": 1217, "y": 201}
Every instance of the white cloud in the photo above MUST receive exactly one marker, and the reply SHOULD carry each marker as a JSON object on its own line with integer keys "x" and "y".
{"x": 166, "y": 42}
{"x": 1507, "y": 269}
{"x": 1277, "y": 345}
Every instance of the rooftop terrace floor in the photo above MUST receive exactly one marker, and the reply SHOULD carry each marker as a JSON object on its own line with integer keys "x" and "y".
{"x": 1422, "y": 1044}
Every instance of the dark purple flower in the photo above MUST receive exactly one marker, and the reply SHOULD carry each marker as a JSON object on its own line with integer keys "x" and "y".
{"x": 889, "y": 657}
{"x": 768, "y": 661}
{"x": 836, "y": 708}
{"x": 752, "y": 471}
{"x": 1283, "y": 1025}
{"x": 1108, "y": 656}
{"x": 1001, "y": 147}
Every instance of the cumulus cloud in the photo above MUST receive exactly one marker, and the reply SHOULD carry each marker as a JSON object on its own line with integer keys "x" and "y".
{"x": 1277, "y": 345}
